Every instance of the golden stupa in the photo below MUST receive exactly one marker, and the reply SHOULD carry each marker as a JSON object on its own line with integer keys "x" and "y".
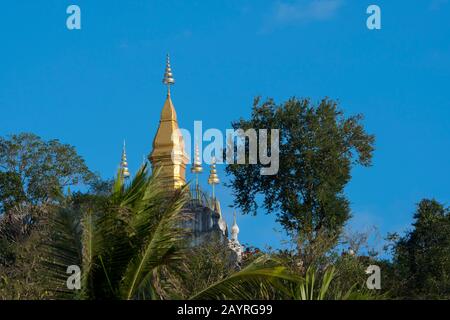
{"x": 168, "y": 145}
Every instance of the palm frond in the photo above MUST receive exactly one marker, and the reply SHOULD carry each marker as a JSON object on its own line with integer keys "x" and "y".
{"x": 258, "y": 280}
{"x": 327, "y": 278}
{"x": 62, "y": 250}
{"x": 161, "y": 246}
{"x": 306, "y": 290}
{"x": 89, "y": 243}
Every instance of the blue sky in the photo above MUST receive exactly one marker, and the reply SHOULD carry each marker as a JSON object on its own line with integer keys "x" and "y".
{"x": 96, "y": 86}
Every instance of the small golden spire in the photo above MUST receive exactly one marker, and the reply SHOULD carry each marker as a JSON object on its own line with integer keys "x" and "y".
{"x": 124, "y": 163}
{"x": 197, "y": 165}
{"x": 168, "y": 76}
{"x": 213, "y": 177}
{"x": 196, "y": 168}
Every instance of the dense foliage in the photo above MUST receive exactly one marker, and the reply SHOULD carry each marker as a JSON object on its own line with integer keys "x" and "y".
{"x": 127, "y": 241}
{"x": 36, "y": 171}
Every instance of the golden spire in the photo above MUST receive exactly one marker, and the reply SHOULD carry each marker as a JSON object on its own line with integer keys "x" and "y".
{"x": 124, "y": 163}
{"x": 197, "y": 165}
{"x": 213, "y": 177}
{"x": 168, "y": 145}
{"x": 168, "y": 76}
{"x": 196, "y": 168}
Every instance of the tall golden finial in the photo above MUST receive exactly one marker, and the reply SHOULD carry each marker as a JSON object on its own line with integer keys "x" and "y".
{"x": 196, "y": 169}
{"x": 124, "y": 163}
{"x": 213, "y": 177}
{"x": 168, "y": 76}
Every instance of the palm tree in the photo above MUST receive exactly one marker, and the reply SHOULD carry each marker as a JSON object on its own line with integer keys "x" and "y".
{"x": 129, "y": 244}
{"x": 306, "y": 288}
{"x": 121, "y": 243}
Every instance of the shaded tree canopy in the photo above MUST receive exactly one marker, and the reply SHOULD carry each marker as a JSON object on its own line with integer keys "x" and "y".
{"x": 422, "y": 257}
{"x": 35, "y": 170}
{"x": 318, "y": 148}
{"x": 11, "y": 190}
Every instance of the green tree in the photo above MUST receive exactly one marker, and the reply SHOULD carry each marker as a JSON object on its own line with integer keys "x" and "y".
{"x": 421, "y": 258}
{"x": 11, "y": 190}
{"x": 35, "y": 170}
{"x": 318, "y": 148}
{"x": 33, "y": 175}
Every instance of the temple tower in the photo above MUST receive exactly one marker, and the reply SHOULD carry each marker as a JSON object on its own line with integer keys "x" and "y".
{"x": 168, "y": 146}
